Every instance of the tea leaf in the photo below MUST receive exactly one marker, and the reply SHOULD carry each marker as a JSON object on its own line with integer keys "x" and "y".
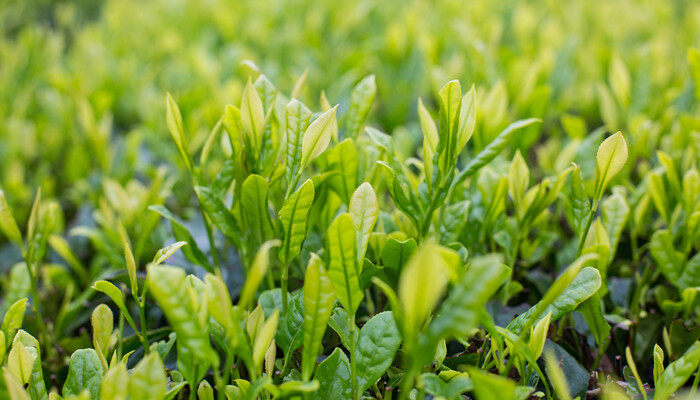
{"x": 459, "y": 313}
{"x": 294, "y": 215}
{"x": 252, "y": 116}
{"x": 8, "y": 225}
{"x": 256, "y": 273}
{"x": 115, "y": 383}
{"x": 318, "y": 135}
{"x": 377, "y": 344}
{"x": 492, "y": 149}
{"x": 342, "y": 159}
{"x": 218, "y": 213}
{"x": 610, "y": 159}
{"x": 342, "y": 267}
{"x": 20, "y": 362}
{"x": 147, "y": 380}
{"x": 677, "y": 373}
{"x": 168, "y": 287}
{"x": 84, "y": 372}
{"x": 177, "y": 130}
{"x": 364, "y": 211}
{"x": 426, "y": 272}
{"x": 298, "y": 117}
{"x": 319, "y": 297}
{"x": 254, "y": 198}
{"x": 361, "y": 99}
{"x": 333, "y": 374}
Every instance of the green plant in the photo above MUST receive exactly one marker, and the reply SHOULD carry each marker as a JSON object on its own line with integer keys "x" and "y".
{"x": 484, "y": 243}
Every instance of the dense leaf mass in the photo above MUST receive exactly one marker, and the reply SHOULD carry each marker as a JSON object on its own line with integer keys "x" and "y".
{"x": 265, "y": 199}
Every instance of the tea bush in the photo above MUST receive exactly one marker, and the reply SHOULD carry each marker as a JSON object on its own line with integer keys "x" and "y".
{"x": 450, "y": 200}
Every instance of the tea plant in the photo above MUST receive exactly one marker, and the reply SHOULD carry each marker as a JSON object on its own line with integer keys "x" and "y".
{"x": 358, "y": 229}
{"x": 405, "y": 260}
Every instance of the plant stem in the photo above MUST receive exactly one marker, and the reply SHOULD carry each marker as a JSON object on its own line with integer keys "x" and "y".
{"x": 353, "y": 361}
{"x": 144, "y": 330}
{"x": 285, "y": 278}
{"x": 584, "y": 232}
{"x": 120, "y": 344}
{"x": 37, "y": 306}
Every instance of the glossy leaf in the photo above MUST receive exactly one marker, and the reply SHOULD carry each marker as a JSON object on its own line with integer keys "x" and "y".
{"x": 364, "y": 211}
{"x": 294, "y": 216}
{"x": 610, "y": 159}
{"x": 377, "y": 343}
{"x": 342, "y": 267}
{"x": 319, "y": 297}
{"x": 147, "y": 380}
{"x": 318, "y": 135}
{"x": 84, "y": 373}
{"x": 333, "y": 375}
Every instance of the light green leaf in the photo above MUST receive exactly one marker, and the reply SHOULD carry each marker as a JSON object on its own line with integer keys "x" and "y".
{"x": 205, "y": 391}
{"x": 252, "y": 117}
{"x": 450, "y": 100}
{"x": 343, "y": 269}
{"x": 15, "y": 391}
{"x": 610, "y": 159}
{"x": 115, "y": 383}
{"x": 147, "y": 379}
{"x": 677, "y": 373}
{"x": 192, "y": 252}
{"x": 254, "y": 205}
{"x": 318, "y": 135}
{"x": 490, "y": 386}
{"x": 573, "y": 287}
{"x": 102, "y": 321}
{"x": 518, "y": 181}
{"x": 164, "y": 253}
{"x": 20, "y": 362}
{"x": 264, "y": 338}
{"x": 294, "y": 216}
{"x": 343, "y": 163}
{"x": 319, "y": 297}
{"x": 364, "y": 211}
{"x": 427, "y": 273}
{"x": 430, "y": 140}
{"x": 13, "y": 319}
{"x": 131, "y": 268}
{"x": 256, "y": 273}
{"x": 361, "y": 99}
{"x": 169, "y": 287}
{"x": 467, "y": 118}
{"x": 8, "y": 225}
{"x": 113, "y": 293}
{"x": 298, "y": 117}
{"x": 177, "y": 130}
{"x": 615, "y": 212}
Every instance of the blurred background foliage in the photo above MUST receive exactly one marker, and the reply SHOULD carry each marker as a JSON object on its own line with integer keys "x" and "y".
{"x": 82, "y": 82}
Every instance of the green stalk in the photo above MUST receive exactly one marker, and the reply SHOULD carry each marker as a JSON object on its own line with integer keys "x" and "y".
{"x": 285, "y": 278}
{"x": 37, "y": 306}
{"x": 144, "y": 330}
{"x": 208, "y": 228}
{"x": 353, "y": 361}
{"x": 120, "y": 344}
{"x": 584, "y": 233}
